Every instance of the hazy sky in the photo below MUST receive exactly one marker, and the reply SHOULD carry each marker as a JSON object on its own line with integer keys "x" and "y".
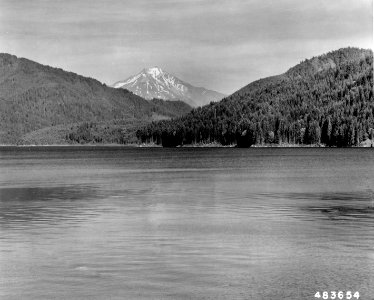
{"x": 218, "y": 44}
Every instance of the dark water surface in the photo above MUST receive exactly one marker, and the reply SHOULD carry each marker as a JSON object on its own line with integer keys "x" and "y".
{"x": 125, "y": 223}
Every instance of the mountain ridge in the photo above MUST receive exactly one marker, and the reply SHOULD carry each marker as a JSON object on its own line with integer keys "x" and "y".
{"x": 35, "y": 96}
{"x": 323, "y": 100}
{"x": 154, "y": 82}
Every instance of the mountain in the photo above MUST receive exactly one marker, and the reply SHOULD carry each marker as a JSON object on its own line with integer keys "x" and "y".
{"x": 156, "y": 83}
{"x": 324, "y": 100}
{"x": 35, "y": 96}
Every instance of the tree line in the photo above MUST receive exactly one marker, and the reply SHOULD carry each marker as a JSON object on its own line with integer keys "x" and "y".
{"x": 325, "y": 100}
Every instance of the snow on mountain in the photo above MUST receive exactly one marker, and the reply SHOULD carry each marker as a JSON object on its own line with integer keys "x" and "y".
{"x": 156, "y": 83}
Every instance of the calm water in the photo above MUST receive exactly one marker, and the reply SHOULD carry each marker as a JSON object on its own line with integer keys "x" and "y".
{"x": 125, "y": 223}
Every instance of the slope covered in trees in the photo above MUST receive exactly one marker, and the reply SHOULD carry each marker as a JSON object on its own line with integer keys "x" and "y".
{"x": 327, "y": 99}
{"x": 35, "y": 96}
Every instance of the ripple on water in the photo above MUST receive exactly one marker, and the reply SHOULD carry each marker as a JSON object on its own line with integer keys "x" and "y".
{"x": 26, "y": 206}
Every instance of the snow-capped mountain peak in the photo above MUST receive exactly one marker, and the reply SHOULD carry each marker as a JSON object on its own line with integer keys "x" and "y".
{"x": 156, "y": 83}
{"x": 154, "y": 72}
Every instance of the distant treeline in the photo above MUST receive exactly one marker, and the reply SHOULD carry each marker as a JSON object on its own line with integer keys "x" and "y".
{"x": 327, "y": 99}
{"x": 122, "y": 131}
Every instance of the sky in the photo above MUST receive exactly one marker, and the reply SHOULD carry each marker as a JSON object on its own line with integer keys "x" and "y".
{"x": 218, "y": 44}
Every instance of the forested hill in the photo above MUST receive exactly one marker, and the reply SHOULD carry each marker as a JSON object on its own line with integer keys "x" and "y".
{"x": 35, "y": 96}
{"x": 327, "y": 99}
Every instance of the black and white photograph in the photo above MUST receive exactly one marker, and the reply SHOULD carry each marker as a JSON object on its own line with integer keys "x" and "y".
{"x": 186, "y": 149}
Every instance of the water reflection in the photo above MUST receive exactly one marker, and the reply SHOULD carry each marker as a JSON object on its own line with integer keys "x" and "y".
{"x": 23, "y": 206}
{"x": 353, "y": 205}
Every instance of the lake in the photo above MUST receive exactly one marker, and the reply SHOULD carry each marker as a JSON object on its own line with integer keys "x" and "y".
{"x": 201, "y": 223}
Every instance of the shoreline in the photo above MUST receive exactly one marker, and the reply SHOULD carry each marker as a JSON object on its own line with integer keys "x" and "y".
{"x": 210, "y": 145}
